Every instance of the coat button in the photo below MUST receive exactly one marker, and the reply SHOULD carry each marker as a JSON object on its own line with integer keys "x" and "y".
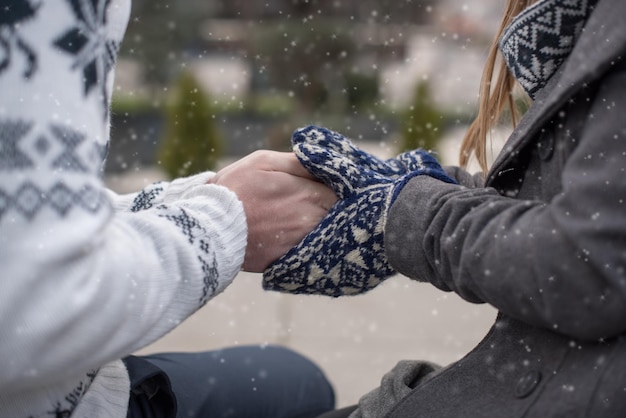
{"x": 527, "y": 384}
{"x": 545, "y": 146}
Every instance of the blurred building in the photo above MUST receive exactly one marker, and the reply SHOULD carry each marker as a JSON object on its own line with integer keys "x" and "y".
{"x": 401, "y": 42}
{"x": 397, "y": 44}
{"x": 449, "y": 52}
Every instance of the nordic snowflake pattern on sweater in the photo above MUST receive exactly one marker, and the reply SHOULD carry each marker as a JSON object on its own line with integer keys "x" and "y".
{"x": 195, "y": 231}
{"x": 147, "y": 197}
{"x": 541, "y": 38}
{"x": 94, "y": 53}
{"x": 12, "y": 43}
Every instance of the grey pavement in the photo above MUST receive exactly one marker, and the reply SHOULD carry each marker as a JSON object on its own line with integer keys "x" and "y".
{"x": 355, "y": 339}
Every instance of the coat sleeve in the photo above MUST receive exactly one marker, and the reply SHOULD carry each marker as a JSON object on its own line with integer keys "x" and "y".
{"x": 87, "y": 277}
{"x": 558, "y": 264}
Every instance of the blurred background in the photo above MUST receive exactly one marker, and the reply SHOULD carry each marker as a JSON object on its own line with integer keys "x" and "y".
{"x": 201, "y": 83}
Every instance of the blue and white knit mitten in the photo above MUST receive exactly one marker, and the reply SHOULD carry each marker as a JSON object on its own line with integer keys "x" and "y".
{"x": 344, "y": 254}
{"x": 334, "y": 141}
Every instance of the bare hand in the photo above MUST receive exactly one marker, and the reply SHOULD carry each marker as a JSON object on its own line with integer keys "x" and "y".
{"x": 282, "y": 202}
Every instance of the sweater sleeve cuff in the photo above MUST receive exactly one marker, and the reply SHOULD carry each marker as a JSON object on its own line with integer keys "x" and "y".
{"x": 219, "y": 207}
{"x": 177, "y": 188}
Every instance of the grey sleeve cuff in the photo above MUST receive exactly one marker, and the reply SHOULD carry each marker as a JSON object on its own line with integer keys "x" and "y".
{"x": 407, "y": 223}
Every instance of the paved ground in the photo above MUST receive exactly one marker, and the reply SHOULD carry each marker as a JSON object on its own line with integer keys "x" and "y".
{"x": 354, "y": 339}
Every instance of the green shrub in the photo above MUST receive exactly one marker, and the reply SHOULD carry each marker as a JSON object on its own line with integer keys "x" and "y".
{"x": 362, "y": 89}
{"x": 422, "y": 122}
{"x": 192, "y": 142}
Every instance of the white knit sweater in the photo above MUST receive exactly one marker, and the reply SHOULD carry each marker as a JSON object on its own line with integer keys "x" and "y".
{"x": 86, "y": 276}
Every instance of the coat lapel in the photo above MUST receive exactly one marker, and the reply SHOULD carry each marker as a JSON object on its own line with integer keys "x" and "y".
{"x": 602, "y": 41}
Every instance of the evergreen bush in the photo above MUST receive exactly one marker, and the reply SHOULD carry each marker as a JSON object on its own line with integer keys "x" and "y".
{"x": 192, "y": 142}
{"x": 362, "y": 89}
{"x": 422, "y": 122}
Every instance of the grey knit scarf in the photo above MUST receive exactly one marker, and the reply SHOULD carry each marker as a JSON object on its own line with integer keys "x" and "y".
{"x": 541, "y": 38}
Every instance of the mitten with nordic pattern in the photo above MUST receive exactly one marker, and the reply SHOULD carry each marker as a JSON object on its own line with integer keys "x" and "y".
{"x": 336, "y": 142}
{"x": 344, "y": 254}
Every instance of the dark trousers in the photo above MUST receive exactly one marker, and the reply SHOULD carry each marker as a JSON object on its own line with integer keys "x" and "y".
{"x": 238, "y": 382}
{"x": 339, "y": 413}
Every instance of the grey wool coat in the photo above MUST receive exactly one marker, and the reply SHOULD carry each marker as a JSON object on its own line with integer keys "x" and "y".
{"x": 544, "y": 242}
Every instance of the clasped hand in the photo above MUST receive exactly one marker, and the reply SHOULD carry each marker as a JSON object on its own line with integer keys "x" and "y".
{"x": 300, "y": 235}
{"x": 345, "y": 253}
{"x": 282, "y": 201}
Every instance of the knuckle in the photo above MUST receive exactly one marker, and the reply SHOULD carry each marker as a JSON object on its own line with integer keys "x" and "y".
{"x": 263, "y": 156}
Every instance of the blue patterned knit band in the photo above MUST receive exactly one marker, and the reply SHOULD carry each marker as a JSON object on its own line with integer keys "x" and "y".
{"x": 541, "y": 38}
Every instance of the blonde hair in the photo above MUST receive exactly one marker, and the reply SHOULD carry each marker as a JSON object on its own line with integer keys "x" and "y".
{"x": 494, "y": 98}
